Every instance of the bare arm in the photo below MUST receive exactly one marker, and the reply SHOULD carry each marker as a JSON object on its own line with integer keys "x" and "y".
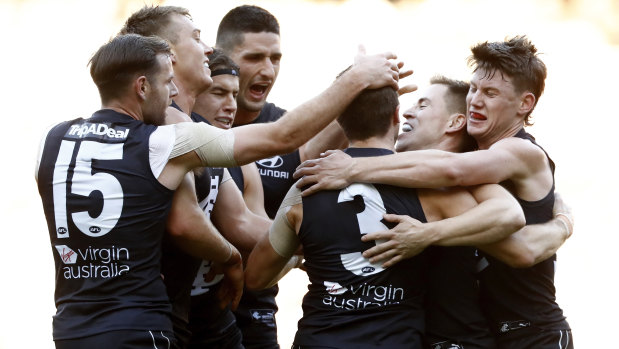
{"x": 258, "y": 141}
{"x": 537, "y": 242}
{"x": 253, "y": 193}
{"x": 453, "y": 215}
{"x": 332, "y": 137}
{"x": 194, "y": 234}
{"x": 510, "y": 158}
{"x": 237, "y": 223}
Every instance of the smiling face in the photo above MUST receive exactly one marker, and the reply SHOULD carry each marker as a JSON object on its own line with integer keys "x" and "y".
{"x": 494, "y": 108}
{"x": 190, "y": 61}
{"x": 426, "y": 121}
{"x": 258, "y": 57}
{"x": 218, "y": 103}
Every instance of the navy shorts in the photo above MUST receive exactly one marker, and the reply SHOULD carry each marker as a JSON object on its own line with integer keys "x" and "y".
{"x": 126, "y": 339}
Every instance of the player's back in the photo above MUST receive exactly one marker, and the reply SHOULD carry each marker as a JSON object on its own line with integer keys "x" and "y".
{"x": 106, "y": 213}
{"x": 351, "y": 302}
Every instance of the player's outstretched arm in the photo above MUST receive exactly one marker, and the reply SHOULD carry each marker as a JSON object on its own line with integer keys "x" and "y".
{"x": 507, "y": 159}
{"x": 297, "y": 126}
{"x": 455, "y": 217}
{"x": 536, "y": 242}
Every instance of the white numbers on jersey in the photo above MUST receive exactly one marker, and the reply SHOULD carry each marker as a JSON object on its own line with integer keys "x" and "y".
{"x": 83, "y": 183}
{"x": 369, "y": 221}
{"x": 209, "y": 201}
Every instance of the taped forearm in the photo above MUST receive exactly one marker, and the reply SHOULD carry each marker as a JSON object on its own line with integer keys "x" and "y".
{"x": 282, "y": 235}
{"x": 214, "y": 146}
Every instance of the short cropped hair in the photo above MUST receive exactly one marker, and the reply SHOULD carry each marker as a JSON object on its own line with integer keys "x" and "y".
{"x": 114, "y": 66}
{"x": 517, "y": 58}
{"x": 218, "y": 60}
{"x": 154, "y": 20}
{"x": 241, "y": 20}
{"x": 369, "y": 114}
{"x": 455, "y": 99}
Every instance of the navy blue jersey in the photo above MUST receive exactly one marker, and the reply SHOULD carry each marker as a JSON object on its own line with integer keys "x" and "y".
{"x": 275, "y": 172}
{"x": 518, "y": 298}
{"x": 179, "y": 268}
{"x": 106, "y": 214}
{"x": 453, "y": 312}
{"x": 350, "y": 302}
{"x": 255, "y": 314}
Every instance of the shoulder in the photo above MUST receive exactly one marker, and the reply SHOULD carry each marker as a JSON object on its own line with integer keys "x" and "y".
{"x": 270, "y": 112}
{"x": 525, "y": 150}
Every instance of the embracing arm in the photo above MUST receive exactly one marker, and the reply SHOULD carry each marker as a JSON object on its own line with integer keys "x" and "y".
{"x": 496, "y": 216}
{"x": 237, "y": 223}
{"x": 507, "y": 159}
{"x": 455, "y": 217}
{"x": 537, "y": 242}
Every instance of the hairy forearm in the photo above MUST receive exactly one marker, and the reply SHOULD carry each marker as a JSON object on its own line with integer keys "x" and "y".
{"x": 413, "y": 169}
{"x": 192, "y": 231}
{"x": 530, "y": 245}
{"x": 496, "y": 216}
{"x": 331, "y": 137}
{"x": 305, "y": 121}
{"x": 244, "y": 230}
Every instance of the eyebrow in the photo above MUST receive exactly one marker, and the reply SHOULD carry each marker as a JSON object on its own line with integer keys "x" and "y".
{"x": 423, "y": 99}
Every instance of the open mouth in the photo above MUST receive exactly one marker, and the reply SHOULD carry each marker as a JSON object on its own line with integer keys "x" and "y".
{"x": 477, "y": 116}
{"x": 258, "y": 91}
{"x": 224, "y": 121}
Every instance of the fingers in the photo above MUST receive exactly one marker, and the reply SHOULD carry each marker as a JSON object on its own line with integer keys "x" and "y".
{"x": 329, "y": 152}
{"x": 392, "y": 261}
{"x": 385, "y": 256}
{"x": 407, "y": 89}
{"x": 405, "y": 73}
{"x": 373, "y": 254}
{"x": 394, "y": 218}
{"x": 311, "y": 190}
{"x": 375, "y": 236}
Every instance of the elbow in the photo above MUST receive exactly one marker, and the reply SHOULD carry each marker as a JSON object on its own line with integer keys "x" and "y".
{"x": 515, "y": 219}
{"x": 521, "y": 260}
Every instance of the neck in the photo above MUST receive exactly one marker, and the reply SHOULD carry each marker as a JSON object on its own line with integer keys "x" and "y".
{"x": 124, "y": 109}
{"x": 374, "y": 142}
{"x": 186, "y": 98}
{"x": 484, "y": 143}
{"x": 244, "y": 116}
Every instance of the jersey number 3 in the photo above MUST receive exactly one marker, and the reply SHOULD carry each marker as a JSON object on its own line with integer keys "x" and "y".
{"x": 369, "y": 221}
{"x": 84, "y": 183}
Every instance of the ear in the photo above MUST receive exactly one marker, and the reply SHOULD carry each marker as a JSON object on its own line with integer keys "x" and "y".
{"x": 396, "y": 115}
{"x": 456, "y": 123}
{"x": 527, "y": 102}
{"x": 141, "y": 87}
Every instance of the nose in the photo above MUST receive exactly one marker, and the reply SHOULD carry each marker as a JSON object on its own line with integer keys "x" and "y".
{"x": 474, "y": 98}
{"x": 230, "y": 104}
{"x": 173, "y": 90}
{"x": 409, "y": 114}
{"x": 268, "y": 70}
{"x": 207, "y": 49}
